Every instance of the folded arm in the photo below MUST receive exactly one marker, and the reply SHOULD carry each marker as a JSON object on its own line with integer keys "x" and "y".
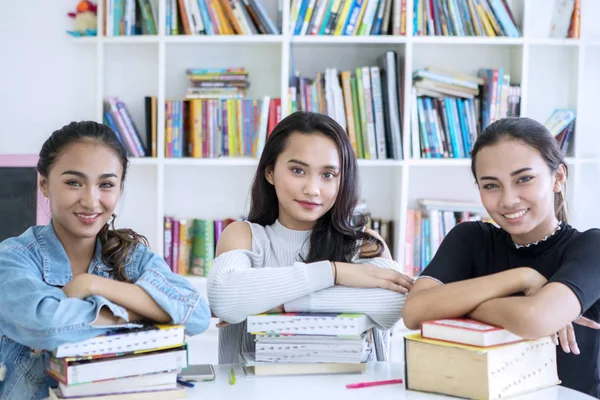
{"x": 383, "y": 306}
{"x": 161, "y": 295}
{"x": 41, "y": 316}
{"x": 238, "y": 287}
{"x": 429, "y": 299}
{"x": 532, "y": 317}
{"x": 570, "y": 292}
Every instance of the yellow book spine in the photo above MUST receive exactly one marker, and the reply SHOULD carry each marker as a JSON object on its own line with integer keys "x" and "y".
{"x": 343, "y": 18}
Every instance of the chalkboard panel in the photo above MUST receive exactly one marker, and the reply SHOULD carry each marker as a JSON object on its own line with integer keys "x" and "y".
{"x": 18, "y": 200}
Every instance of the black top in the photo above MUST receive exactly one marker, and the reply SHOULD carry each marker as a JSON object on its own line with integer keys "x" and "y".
{"x": 474, "y": 249}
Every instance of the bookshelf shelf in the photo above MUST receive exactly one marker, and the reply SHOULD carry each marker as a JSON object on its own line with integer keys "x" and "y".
{"x": 348, "y": 39}
{"x": 130, "y": 39}
{"x": 212, "y": 162}
{"x": 216, "y": 39}
{"x": 439, "y": 162}
{"x": 553, "y": 73}
{"x": 143, "y": 161}
{"x": 554, "y": 42}
{"x": 479, "y": 40}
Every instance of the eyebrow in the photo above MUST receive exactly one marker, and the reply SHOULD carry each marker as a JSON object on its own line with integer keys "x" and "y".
{"x": 84, "y": 176}
{"x": 293, "y": 160}
{"x": 517, "y": 172}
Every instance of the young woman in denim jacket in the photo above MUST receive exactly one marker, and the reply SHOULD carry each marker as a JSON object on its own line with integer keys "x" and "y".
{"x": 75, "y": 278}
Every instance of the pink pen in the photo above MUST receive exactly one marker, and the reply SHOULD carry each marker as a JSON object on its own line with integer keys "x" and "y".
{"x": 375, "y": 383}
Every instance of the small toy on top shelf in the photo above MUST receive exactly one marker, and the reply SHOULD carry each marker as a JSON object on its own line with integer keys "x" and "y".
{"x": 85, "y": 19}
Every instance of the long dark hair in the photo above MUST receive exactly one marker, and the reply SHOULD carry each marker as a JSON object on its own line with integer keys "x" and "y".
{"x": 335, "y": 236}
{"x": 117, "y": 244}
{"x": 533, "y": 133}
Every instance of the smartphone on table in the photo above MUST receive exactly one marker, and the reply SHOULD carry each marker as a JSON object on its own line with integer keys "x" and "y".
{"x": 197, "y": 373}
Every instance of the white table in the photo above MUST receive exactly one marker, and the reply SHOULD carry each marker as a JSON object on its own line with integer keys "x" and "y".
{"x": 333, "y": 387}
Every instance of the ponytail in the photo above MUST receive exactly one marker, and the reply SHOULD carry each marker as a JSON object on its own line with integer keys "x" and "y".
{"x": 560, "y": 206}
{"x": 117, "y": 246}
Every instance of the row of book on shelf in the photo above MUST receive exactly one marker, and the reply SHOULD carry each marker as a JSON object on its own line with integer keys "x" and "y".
{"x": 189, "y": 244}
{"x": 332, "y": 17}
{"x": 189, "y": 17}
{"x": 219, "y": 17}
{"x": 463, "y": 18}
{"x": 348, "y": 17}
{"x": 449, "y": 110}
{"x": 365, "y": 102}
{"x": 427, "y": 225}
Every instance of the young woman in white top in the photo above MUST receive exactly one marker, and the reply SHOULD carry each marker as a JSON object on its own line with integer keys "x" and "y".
{"x": 299, "y": 249}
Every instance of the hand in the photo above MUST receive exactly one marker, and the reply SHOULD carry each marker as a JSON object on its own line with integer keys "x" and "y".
{"x": 80, "y": 286}
{"x": 370, "y": 276}
{"x": 566, "y": 336}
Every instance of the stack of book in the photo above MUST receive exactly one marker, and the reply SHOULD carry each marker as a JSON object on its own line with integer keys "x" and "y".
{"x": 131, "y": 363}
{"x": 307, "y": 343}
{"x": 451, "y": 109}
{"x": 217, "y": 83}
{"x": 467, "y": 358}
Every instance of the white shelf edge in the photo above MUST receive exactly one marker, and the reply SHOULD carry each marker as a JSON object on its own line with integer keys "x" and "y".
{"x": 369, "y": 39}
{"x": 553, "y": 42}
{"x": 327, "y": 39}
{"x": 483, "y": 40}
{"x": 245, "y": 161}
{"x": 143, "y": 161}
{"x": 439, "y": 162}
{"x": 221, "y": 162}
{"x": 137, "y": 39}
{"x": 252, "y": 162}
{"x": 217, "y": 39}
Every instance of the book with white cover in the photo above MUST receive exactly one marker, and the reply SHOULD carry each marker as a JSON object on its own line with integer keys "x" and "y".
{"x": 125, "y": 340}
{"x": 310, "y": 323}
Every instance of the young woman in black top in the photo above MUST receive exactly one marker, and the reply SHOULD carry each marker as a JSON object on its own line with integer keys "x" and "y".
{"x": 535, "y": 275}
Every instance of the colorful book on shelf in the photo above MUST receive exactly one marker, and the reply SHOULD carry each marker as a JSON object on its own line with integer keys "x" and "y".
{"x": 310, "y": 323}
{"x": 130, "y": 17}
{"x": 365, "y": 101}
{"x": 467, "y": 331}
{"x": 463, "y": 18}
{"x": 124, "y": 340}
{"x": 218, "y": 17}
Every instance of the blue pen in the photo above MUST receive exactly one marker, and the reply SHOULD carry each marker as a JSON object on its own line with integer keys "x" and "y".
{"x": 184, "y": 383}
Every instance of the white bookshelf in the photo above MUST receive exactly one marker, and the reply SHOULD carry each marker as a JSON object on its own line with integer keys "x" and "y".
{"x": 553, "y": 73}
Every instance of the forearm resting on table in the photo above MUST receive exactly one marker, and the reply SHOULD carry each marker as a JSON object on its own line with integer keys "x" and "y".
{"x": 135, "y": 299}
{"x": 458, "y": 299}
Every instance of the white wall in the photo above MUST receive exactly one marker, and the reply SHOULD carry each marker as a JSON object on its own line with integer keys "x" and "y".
{"x": 47, "y": 81}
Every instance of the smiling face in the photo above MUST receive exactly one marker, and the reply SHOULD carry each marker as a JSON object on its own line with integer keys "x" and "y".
{"x": 306, "y": 177}
{"x": 83, "y": 187}
{"x": 517, "y": 189}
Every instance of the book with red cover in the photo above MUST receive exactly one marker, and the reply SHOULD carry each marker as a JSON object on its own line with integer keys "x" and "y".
{"x": 467, "y": 331}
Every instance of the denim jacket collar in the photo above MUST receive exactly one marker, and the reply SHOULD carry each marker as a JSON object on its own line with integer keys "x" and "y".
{"x": 56, "y": 268}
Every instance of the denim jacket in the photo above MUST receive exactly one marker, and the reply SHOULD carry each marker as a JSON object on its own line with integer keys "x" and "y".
{"x": 36, "y": 315}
